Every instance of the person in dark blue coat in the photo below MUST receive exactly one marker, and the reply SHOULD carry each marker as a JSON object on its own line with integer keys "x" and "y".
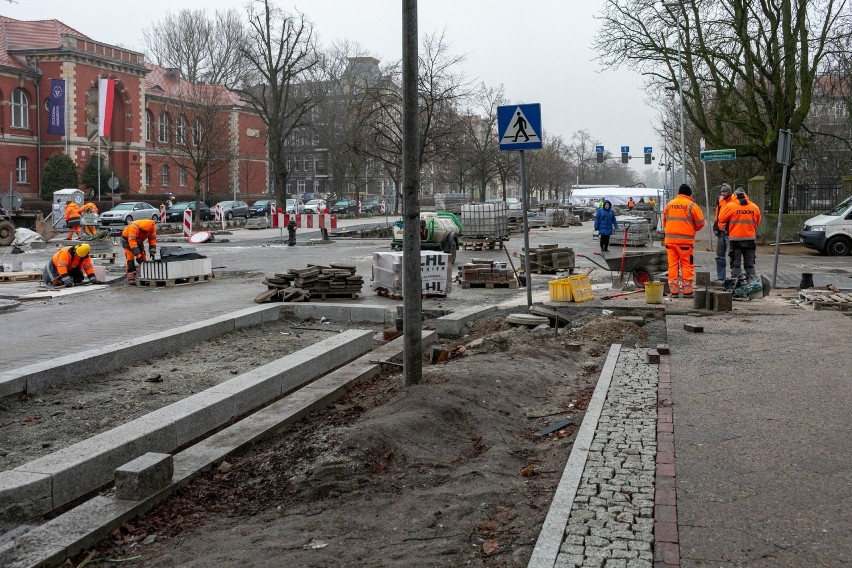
{"x": 605, "y": 224}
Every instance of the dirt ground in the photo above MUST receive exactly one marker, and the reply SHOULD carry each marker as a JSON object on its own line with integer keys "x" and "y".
{"x": 61, "y": 416}
{"x": 445, "y": 473}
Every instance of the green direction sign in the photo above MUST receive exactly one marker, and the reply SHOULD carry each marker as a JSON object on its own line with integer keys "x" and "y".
{"x": 718, "y": 155}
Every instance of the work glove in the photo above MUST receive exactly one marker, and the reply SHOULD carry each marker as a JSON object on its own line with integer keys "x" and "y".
{"x": 140, "y": 258}
{"x": 93, "y": 280}
{"x": 67, "y": 282}
{"x": 152, "y": 252}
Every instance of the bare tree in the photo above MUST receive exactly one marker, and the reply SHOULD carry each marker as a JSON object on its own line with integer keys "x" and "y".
{"x": 282, "y": 79}
{"x": 748, "y": 67}
{"x": 481, "y": 137}
{"x": 205, "y": 49}
{"x": 194, "y": 132}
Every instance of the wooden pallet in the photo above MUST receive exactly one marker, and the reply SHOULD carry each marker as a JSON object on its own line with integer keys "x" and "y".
{"x": 25, "y": 276}
{"x": 388, "y": 294}
{"x": 509, "y": 284}
{"x": 110, "y": 257}
{"x": 334, "y": 295}
{"x": 168, "y": 283}
{"x": 482, "y": 244}
{"x": 820, "y": 299}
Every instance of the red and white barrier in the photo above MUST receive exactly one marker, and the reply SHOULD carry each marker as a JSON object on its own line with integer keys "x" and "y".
{"x": 187, "y": 222}
{"x": 383, "y": 207}
{"x": 324, "y": 221}
{"x": 217, "y": 211}
{"x": 162, "y": 213}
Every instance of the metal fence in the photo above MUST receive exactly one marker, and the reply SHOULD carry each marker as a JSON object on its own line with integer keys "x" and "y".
{"x": 813, "y": 197}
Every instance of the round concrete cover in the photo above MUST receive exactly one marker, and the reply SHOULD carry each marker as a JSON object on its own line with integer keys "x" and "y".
{"x": 527, "y": 319}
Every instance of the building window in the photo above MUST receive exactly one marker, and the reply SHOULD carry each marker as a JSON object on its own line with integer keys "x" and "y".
{"x": 149, "y": 126}
{"x": 180, "y": 130}
{"x": 21, "y": 170}
{"x": 308, "y": 163}
{"x": 148, "y": 175}
{"x": 182, "y": 176}
{"x": 297, "y": 163}
{"x": 164, "y": 174}
{"x": 196, "y": 132}
{"x": 840, "y": 109}
{"x": 300, "y": 186}
{"x": 20, "y": 109}
{"x": 163, "y": 127}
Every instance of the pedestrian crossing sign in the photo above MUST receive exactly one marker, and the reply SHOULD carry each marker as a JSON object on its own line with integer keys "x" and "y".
{"x": 519, "y": 126}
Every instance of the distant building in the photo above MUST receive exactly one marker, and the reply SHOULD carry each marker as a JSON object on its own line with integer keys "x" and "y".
{"x": 34, "y": 52}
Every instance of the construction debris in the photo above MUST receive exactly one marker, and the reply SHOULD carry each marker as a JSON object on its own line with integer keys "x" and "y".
{"x": 337, "y": 281}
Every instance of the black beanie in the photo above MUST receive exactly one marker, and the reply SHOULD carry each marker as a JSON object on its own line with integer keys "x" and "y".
{"x": 684, "y": 190}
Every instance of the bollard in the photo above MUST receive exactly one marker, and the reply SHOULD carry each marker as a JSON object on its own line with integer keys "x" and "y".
{"x": 700, "y": 299}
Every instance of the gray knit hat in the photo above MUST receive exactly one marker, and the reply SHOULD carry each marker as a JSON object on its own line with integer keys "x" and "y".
{"x": 725, "y": 188}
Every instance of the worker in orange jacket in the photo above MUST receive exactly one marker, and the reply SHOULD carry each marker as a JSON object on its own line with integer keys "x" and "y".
{"x": 742, "y": 218}
{"x": 682, "y": 219}
{"x": 725, "y": 197}
{"x": 90, "y": 207}
{"x": 630, "y": 204}
{"x": 69, "y": 266}
{"x": 133, "y": 239}
{"x": 72, "y": 219}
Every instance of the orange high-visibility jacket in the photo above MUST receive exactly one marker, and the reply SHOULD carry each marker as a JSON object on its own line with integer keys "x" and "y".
{"x": 719, "y": 207}
{"x": 65, "y": 260}
{"x": 137, "y": 232}
{"x": 682, "y": 218}
{"x": 89, "y": 208}
{"x": 72, "y": 211}
{"x": 742, "y": 220}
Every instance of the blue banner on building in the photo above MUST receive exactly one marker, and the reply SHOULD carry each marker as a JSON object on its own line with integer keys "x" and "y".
{"x": 56, "y": 119}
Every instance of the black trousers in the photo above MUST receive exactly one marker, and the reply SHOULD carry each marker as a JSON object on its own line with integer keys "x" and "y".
{"x": 605, "y": 242}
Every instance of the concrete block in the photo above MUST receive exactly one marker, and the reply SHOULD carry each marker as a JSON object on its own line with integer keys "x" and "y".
{"x": 379, "y": 314}
{"x": 699, "y": 301}
{"x": 663, "y": 349}
{"x": 454, "y": 323}
{"x": 652, "y": 357}
{"x": 24, "y": 494}
{"x": 143, "y": 476}
{"x": 35, "y": 548}
{"x": 702, "y": 279}
{"x": 723, "y": 301}
{"x": 693, "y": 328}
{"x": 11, "y": 383}
{"x": 710, "y": 300}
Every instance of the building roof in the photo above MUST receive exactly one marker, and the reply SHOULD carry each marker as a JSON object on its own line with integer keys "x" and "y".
{"x": 169, "y": 83}
{"x": 18, "y": 35}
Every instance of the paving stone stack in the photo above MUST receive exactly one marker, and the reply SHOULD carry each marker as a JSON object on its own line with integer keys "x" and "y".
{"x": 479, "y": 270}
{"x": 549, "y": 258}
{"x": 638, "y": 231}
{"x": 317, "y": 282}
{"x": 612, "y": 517}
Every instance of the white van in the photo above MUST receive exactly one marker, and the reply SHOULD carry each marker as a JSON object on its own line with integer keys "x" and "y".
{"x": 831, "y": 232}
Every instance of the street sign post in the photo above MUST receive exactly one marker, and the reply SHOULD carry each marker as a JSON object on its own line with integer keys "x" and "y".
{"x": 718, "y": 155}
{"x": 519, "y": 128}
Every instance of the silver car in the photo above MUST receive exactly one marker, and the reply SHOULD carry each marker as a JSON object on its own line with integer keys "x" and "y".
{"x": 231, "y": 209}
{"x": 129, "y": 211}
{"x": 295, "y": 206}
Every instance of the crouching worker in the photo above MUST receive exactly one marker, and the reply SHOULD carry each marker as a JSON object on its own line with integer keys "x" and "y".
{"x": 69, "y": 266}
{"x": 133, "y": 239}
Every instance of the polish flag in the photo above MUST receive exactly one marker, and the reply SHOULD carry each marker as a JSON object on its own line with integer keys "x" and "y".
{"x": 106, "y": 88}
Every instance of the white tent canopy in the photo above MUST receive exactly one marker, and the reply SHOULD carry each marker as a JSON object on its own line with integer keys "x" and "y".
{"x": 616, "y": 195}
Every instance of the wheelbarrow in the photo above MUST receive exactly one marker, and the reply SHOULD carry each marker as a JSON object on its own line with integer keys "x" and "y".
{"x": 640, "y": 265}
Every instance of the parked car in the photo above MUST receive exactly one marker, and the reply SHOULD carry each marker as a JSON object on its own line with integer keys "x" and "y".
{"x": 231, "y": 209}
{"x": 261, "y": 208}
{"x": 830, "y": 232}
{"x": 344, "y": 206}
{"x": 174, "y": 214}
{"x": 294, "y": 206}
{"x": 315, "y": 206}
{"x": 371, "y": 206}
{"x": 129, "y": 211}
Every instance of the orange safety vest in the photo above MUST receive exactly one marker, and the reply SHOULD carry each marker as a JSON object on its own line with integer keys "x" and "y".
{"x": 742, "y": 220}
{"x": 682, "y": 218}
{"x": 72, "y": 211}
{"x": 65, "y": 260}
{"x": 719, "y": 206}
{"x": 137, "y": 232}
{"x": 90, "y": 208}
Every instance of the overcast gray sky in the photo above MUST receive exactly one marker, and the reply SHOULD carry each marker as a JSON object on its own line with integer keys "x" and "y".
{"x": 540, "y": 50}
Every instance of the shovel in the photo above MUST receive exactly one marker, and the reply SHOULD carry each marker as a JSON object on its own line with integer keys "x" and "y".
{"x": 621, "y": 294}
{"x": 623, "y": 253}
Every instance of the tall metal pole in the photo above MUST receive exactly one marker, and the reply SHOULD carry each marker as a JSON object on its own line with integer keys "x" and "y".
{"x": 778, "y": 226}
{"x": 99, "y": 167}
{"x": 525, "y": 204}
{"x": 411, "y": 278}
{"x": 680, "y": 89}
{"x": 707, "y": 198}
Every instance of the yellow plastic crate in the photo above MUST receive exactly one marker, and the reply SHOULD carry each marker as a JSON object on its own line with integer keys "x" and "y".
{"x": 581, "y": 288}
{"x": 560, "y": 290}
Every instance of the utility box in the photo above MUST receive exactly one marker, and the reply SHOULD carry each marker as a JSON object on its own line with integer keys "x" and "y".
{"x": 59, "y": 198}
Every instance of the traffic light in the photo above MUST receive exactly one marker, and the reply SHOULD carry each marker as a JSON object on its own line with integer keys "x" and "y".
{"x": 625, "y": 154}
{"x": 599, "y": 151}
{"x": 648, "y": 157}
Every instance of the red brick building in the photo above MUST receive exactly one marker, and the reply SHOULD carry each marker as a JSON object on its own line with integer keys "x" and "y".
{"x": 140, "y": 146}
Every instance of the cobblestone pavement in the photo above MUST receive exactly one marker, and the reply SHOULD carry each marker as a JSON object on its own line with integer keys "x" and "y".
{"x": 612, "y": 519}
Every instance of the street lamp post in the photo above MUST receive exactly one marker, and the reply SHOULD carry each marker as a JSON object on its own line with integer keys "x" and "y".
{"x": 669, "y": 6}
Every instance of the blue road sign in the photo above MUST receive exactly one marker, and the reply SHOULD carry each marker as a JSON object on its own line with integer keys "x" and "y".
{"x": 625, "y": 149}
{"x": 648, "y": 150}
{"x": 519, "y": 126}
{"x": 599, "y": 148}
